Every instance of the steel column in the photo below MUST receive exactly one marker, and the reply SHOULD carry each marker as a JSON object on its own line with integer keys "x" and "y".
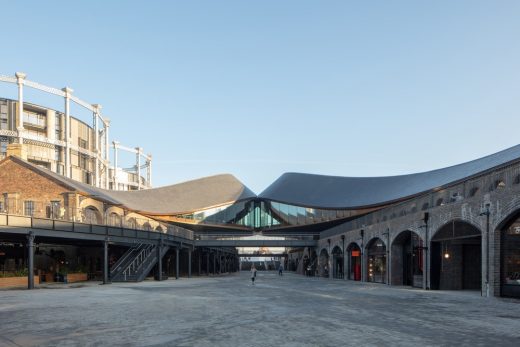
{"x": 207, "y": 264}
{"x": 30, "y": 250}
{"x": 198, "y": 263}
{"x": 189, "y": 263}
{"x": 159, "y": 262}
{"x": 177, "y": 263}
{"x": 105, "y": 262}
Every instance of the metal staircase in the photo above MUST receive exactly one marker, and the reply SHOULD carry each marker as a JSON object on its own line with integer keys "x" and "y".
{"x": 136, "y": 263}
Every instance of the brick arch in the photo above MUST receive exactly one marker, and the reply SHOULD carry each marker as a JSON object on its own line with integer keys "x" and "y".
{"x": 445, "y": 223}
{"x": 406, "y": 262}
{"x": 508, "y": 211}
{"x": 400, "y": 233}
{"x": 96, "y": 213}
{"x": 323, "y": 249}
{"x": 416, "y": 230}
{"x": 373, "y": 239}
{"x": 353, "y": 243}
{"x": 332, "y": 248}
{"x": 455, "y": 215}
{"x": 337, "y": 244}
{"x": 323, "y": 265}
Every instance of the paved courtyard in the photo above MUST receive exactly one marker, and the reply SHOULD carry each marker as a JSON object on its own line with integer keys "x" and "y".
{"x": 229, "y": 311}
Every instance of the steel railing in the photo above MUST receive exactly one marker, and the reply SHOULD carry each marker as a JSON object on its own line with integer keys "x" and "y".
{"x": 20, "y": 221}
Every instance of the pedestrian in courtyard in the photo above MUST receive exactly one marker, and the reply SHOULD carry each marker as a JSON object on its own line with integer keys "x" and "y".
{"x": 253, "y": 274}
{"x": 280, "y": 270}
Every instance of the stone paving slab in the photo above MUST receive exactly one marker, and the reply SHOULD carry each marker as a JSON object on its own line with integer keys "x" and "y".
{"x": 278, "y": 311}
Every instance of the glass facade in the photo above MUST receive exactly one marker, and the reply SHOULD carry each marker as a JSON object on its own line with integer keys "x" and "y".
{"x": 377, "y": 262}
{"x": 511, "y": 260}
{"x": 263, "y": 214}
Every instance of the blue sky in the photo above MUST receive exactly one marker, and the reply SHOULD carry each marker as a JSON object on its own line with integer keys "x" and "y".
{"x": 256, "y": 89}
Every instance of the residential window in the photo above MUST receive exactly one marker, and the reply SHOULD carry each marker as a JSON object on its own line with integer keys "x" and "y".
{"x": 57, "y": 126}
{"x": 34, "y": 118}
{"x": 28, "y": 207}
{"x": 82, "y": 143}
{"x": 4, "y": 141}
{"x": 83, "y": 161}
{"x": 53, "y": 210}
{"x": 4, "y": 124}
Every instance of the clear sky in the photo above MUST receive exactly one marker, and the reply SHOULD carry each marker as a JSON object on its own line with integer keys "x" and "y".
{"x": 256, "y": 89}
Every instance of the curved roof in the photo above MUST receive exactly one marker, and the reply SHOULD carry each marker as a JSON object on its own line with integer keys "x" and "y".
{"x": 188, "y": 196}
{"x": 354, "y": 192}
{"x": 179, "y": 198}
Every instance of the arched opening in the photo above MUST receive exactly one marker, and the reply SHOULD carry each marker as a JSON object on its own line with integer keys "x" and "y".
{"x": 376, "y": 252}
{"x": 354, "y": 262}
{"x": 510, "y": 258}
{"x": 337, "y": 262}
{"x": 159, "y": 229}
{"x": 323, "y": 263}
{"x": 456, "y": 257}
{"x": 407, "y": 260}
{"x": 131, "y": 223}
{"x": 114, "y": 219}
{"x": 147, "y": 226}
{"x": 91, "y": 215}
{"x": 310, "y": 264}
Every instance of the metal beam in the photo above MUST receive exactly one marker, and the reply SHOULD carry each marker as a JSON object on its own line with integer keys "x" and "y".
{"x": 250, "y": 255}
{"x": 93, "y": 235}
{"x": 256, "y": 243}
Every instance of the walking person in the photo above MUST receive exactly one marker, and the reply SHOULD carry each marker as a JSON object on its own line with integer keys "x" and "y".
{"x": 280, "y": 270}
{"x": 253, "y": 274}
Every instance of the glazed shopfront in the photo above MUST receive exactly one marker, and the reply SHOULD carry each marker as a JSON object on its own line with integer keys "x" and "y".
{"x": 510, "y": 269}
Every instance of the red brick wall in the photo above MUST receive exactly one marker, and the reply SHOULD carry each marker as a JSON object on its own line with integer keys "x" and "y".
{"x": 16, "y": 178}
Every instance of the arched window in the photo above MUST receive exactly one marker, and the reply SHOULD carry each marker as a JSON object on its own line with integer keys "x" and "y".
{"x": 440, "y": 202}
{"x": 91, "y": 215}
{"x": 147, "y": 226}
{"x": 131, "y": 223}
{"x": 425, "y": 206}
{"x": 473, "y": 191}
{"x": 114, "y": 219}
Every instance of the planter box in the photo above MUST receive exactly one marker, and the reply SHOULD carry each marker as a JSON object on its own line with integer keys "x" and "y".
{"x": 49, "y": 277}
{"x": 8, "y": 282}
{"x": 78, "y": 277}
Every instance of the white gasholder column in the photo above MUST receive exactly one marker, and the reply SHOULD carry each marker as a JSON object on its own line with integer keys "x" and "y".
{"x": 97, "y": 111}
{"x": 107, "y": 155}
{"x": 114, "y": 177}
{"x": 68, "y": 91}
{"x": 149, "y": 169}
{"x": 20, "y": 80}
{"x": 138, "y": 165}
